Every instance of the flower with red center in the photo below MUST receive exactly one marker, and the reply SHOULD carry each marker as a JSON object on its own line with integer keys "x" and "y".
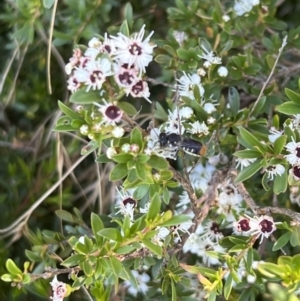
{"x": 60, "y": 290}
{"x": 94, "y": 74}
{"x": 110, "y": 112}
{"x": 257, "y": 226}
{"x": 134, "y": 50}
{"x": 294, "y": 149}
{"x": 127, "y": 203}
{"x": 242, "y": 225}
{"x": 139, "y": 89}
{"x": 295, "y": 171}
{"x": 275, "y": 170}
{"x": 126, "y": 77}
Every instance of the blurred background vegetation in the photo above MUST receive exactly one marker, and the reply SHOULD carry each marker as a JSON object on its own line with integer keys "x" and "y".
{"x": 32, "y": 156}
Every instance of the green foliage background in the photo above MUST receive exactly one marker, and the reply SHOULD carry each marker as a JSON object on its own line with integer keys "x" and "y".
{"x": 29, "y": 156}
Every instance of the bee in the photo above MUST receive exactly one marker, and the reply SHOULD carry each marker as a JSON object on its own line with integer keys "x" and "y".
{"x": 188, "y": 145}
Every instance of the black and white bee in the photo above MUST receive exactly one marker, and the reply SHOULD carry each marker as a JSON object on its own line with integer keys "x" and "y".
{"x": 188, "y": 145}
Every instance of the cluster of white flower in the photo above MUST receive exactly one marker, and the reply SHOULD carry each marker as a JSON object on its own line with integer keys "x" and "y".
{"x": 141, "y": 279}
{"x": 262, "y": 226}
{"x": 204, "y": 241}
{"x": 122, "y": 57}
{"x": 242, "y": 7}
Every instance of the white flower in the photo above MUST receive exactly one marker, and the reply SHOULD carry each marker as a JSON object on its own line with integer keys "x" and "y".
{"x": 229, "y": 202}
{"x": 295, "y": 172}
{"x": 192, "y": 244}
{"x": 275, "y": 170}
{"x": 111, "y": 151}
{"x": 139, "y": 89}
{"x": 243, "y": 162}
{"x": 274, "y": 134}
{"x": 159, "y": 238}
{"x": 126, "y": 202}
{"x": 201, "y": 72}
{"x": 118, "y": 132}
{"x": 141, "y": 279}
{"x": 186, "y": 112}
{"x": 184, "y": 201}
{"x": 73, "y": 84}
{"x": 294, "y": 149}
{"x": 94, "y": 74}
{"x": 125, "y": 148}
{"x": 200, "y": 176}
{"x": 199, "y": 128}
{"x": 111, "y": 113}
{"x": 173, "y": 125}
{"x": 296, "y": 121}
{"x": 209, "y": 108}
{"x": 145, "y": 209}
{"x": 134, "y": 51}
{"x": 225, "y": 18}
{"x": 59, "y": 289}
{"x": 183, "y": 227}
{"x": 222, "y": 71}
{"x": 210, "y": 230}
{"x": 210, "y": 57}
{"x": 180, "y": 36}
{"x": 211, "y": 120}
{"x": 262, "y": 226}
{"x": 84, "y": 129}
{"x": 242, "y": 7}
{"x": 187, "y": 83}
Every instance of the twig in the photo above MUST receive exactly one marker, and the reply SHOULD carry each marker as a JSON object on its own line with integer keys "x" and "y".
{"x": 157, "y": 82}
{"x": 269, "y": 78}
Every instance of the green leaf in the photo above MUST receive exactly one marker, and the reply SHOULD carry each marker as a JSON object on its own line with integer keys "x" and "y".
{"x": 87, "y": 268}
{"x": 292, "y": 95}
{"x": 166, "y": 195}
{"x": 234, "y": 100}
{"x": 136, "y": 137}
{"x": 89, "y": 148}
{"x": 251, "y": 141}
{"x": 228, "y": 287}
{"x": 116, "y": 265}
{"x": 83, "y": 97}
{"x": 258, "y": 110}
{"x": 176, "y": 220}
{"x": 152, "y": 247}
{"x": 289, "y": 108}
{"x": 119, "y": 172}
{"x": 142, "y": 158}
{"x": 122, "y": 158}
{"x": 140, "y": 191}
{"x": 96, "y": 224}
{"x": 174, "y": 293}
{"x": 69, "y": 112}
{"x": 140, "y": 170}
{"x": 127, "y": 107}
{"x": 124, "y": 29}
{"x": 248, "y": 154}
{"x": 65, "y": 215}
{"x": 183, "y": 54}
{"x": 154, "y": 208}
{"x": 158, "y": 163}
{"x": 111, "y": 234}
{"x": 280, "y": 183}
{"x": 125, "y": 250}
{"x": 166, "y": 175}
{"x": 128, "y": 14}
{"x": 250, "y": 170}
{"x": 279, "y": 144}
{"x": 295, "y": 237}
{"x": 74, "y": 260}
{"x": 12, "y": 268}
{"x": 163, "y": 59}
{"x": 282, "y": 241}
{"x": 7, "y": 278}
{"x": 102, "y": 159}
